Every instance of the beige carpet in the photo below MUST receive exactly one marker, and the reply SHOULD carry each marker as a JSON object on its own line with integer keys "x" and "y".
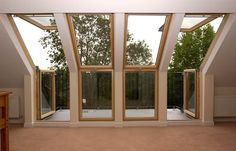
{"x": 221, "y": 137}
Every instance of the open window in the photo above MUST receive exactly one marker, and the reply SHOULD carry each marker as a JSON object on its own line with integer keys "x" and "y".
{"x": 42, "y": 21}
{"x": 192, "y": 22}
{"x": 197, "y": 35}
{"x": 144, "y": 42}
{"x": 191, "y": 100}
{"x": 92, "y": 36}
{"x": 46, "y": 104}
{"x": 41, "y": 42}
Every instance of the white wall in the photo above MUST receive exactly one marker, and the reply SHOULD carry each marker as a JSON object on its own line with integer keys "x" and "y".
{"x": 224, "y": 71}
{"x": 12, "y": 68}
{"x": 17, "y": 92}
{"x": 225, "y": 102}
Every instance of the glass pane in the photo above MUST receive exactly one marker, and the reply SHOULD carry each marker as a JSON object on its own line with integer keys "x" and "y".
{"x": 191, "y": 92}
{"x": 192, "y": 20}
{"x": 175, "y": 90}
{"x": 46, "y": 92}
{"x": 139, "y": 94}
{"x": 143, "y": 39}
{"x": 96, "y": 94}
{"x": 189, "y": 22}
{"x": 191, "y": 47}
{"x": 45, "y": 20}
{"x": 44, "y": 46}
{"x": 93, "y": 38}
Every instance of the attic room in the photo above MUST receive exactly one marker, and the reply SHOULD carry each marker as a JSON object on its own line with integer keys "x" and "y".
{"x": 131, "y": 75}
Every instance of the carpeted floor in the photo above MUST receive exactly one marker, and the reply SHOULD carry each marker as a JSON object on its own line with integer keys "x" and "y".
{"x": 221, "y": 137}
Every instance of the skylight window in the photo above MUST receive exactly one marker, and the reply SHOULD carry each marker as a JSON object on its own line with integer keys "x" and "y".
{"x": 93, "y": 39}
{"x": 191, "y": 22}
{"x": 37, "y": 32}
{"x": 43, "y": 21}
{"x": 144, "y": 37}
{"x": 43, "y": 47}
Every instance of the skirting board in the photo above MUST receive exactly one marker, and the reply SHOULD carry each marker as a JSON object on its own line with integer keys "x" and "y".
{"x": 118, "y": 124}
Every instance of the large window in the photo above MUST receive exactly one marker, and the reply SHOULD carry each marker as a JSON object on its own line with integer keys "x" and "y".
{"x": 140, "y": 94}
{"x": 96, "y": 94}
{"x": 145, "y": 38}
{"x": 92, "y": 36}
{"x": 196, "y": 36}
{"x": 40, "y": 40}
{"x": 34, "y": 32}
{"x": 46, "y": 105}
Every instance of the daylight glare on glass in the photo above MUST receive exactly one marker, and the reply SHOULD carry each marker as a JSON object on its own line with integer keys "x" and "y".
{"x": 216, "y": 23}
{"x": 189, "y": 22}
{"x": 42, "y": 19}
{"x": 31, "y": 36}
{"x": 146, "y": 29}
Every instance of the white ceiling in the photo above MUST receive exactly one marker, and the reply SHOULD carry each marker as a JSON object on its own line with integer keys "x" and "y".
{"x": 118, "y": 6}
{"x": 12, "y": 69}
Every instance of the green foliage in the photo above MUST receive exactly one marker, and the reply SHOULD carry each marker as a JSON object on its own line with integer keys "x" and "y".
{"x": 191, "y": 49}
{"x": 52, "y": 42}
{"x": 97, "y": 90}
{"x": 175, "y": 89}
{"x": 93, "y": 39}
{"x": 140, "y": 89}
{"x": 137, "y": 52}
{"x": 94, "y": 44}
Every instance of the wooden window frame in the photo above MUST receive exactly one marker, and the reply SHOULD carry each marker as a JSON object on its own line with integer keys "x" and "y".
{"x": 37, "y": 74}
{"x": 74, "y": 41}
{"x": 92, "y": 68}
{"x": 145, "y": 68}
{"x": 202, "y": 23}
{"x": 35, "y": 23}
{"x": 18, "y": 35}
{"x": 21, "y": 41}
{"x": 213, "y": 43}
{"x": 161, "y": 45}
{"x": 39, "y": 114}
{"x": 196, "y": 93}
{"x": 81, "y": 118}
{"x": 156, "y": 94}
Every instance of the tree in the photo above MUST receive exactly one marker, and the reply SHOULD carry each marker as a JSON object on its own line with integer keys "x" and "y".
{"x": 93, "y": 43}
{"x": 137, "y": 52}
{"x": 191, "y": 49}
{"x": 94, "y": 39}
{"x": 94, "y": 46}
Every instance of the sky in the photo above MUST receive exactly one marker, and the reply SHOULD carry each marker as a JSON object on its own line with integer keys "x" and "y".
{"x": 31, "y": 35}
{"x": 146, "y": 28}
{"x": 142, "y": 27}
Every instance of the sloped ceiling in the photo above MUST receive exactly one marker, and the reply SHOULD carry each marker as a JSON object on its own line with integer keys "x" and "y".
{"x": 12, "y": 69}
{"x": 224, "y": 64}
